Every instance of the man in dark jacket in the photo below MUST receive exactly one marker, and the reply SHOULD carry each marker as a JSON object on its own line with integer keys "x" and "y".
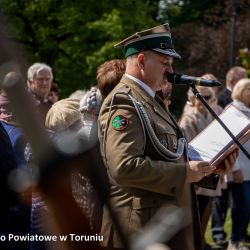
{"x": 39, "y": 83}
{"x": 233, "y": 76}
{"x": 8, "y": 196}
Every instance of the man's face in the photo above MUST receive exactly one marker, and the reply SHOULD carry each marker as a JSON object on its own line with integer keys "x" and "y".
{"x": 156, "y": 68}
{"x": 238, "y": 76}
{"x": 41, "y": 84}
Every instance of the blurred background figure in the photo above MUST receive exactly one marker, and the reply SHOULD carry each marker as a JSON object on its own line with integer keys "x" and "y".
{"x": 194, "y": 119}
{"x": 205, "y": 196}
{"x": 232, "y": 77}
{"x": 64, "y": 115}
{"x": 213, "y": 103}
{"x": 54, "y": 93}
{"x": 9, "y": 198}
{"x": 62, "y": 121}
{"x": 189, "y": 105}
{"x": 40, "y": 78}
{"x": 20, "y": 212}
{"x": 109, "y": 74}
{"x": 90, "y": 106}
{"x": 165, "y": 93}
{"x": 239, "y": 179}
{"x": 5, "y": 110}
{"x": 78, "y": 94}
{"x": 220, "y": 204}
{"x": 90, "y": 103}
{"x": 198, "y": 117}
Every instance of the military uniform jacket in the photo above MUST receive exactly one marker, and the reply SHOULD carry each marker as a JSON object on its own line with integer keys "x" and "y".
{"x": 140, "y": 181}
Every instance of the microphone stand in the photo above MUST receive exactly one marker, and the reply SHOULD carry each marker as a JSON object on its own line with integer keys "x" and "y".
{"x": 200, "y": 97}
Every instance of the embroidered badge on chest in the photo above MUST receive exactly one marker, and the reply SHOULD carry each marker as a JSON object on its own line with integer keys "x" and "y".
{"x": 120, "y": 122}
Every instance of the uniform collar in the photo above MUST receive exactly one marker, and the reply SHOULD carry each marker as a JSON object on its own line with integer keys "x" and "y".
{"x": 142, "y": 85}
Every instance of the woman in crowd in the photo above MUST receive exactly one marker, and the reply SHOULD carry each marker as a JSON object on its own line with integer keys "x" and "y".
{"x": 194, "y": 119}
{"x": 197, "y": 117}
{"x": 240, "y": 177}
{"x": 54, "y": 93}
{"x": 215, "y": 90}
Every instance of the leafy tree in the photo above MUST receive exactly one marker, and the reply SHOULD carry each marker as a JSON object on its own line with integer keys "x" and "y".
{"x": 184, "y": 11}
{"x": 74, "y": 37}
{"x": 244, "y": 57}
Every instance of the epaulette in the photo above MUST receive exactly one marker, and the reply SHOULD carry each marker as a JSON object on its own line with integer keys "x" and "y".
{"x": 123, "y": 89}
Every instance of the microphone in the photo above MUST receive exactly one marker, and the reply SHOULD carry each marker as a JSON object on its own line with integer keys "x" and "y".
{"x": 176, "y": 78}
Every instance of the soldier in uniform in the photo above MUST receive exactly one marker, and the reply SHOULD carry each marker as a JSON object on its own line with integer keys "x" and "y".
{"x": 143, "y": 147}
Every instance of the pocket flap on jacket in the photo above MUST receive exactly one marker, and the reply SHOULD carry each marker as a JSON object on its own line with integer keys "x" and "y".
{"x": 163, "y": 128}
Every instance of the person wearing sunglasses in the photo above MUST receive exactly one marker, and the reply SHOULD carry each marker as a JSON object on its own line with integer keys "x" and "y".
{"x": 196, "y": 118}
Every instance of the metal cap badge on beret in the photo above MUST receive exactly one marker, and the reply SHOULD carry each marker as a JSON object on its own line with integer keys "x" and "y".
{"x": 157, "y": 39}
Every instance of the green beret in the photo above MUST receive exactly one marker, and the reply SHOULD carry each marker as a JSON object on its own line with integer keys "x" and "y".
{"x": 157, "y": 39}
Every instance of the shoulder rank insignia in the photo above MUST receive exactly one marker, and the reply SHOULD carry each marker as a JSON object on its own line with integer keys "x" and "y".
{"x": 120, "y": 122}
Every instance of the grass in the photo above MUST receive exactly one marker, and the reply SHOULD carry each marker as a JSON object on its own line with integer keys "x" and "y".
{"x": 227, "y": 228}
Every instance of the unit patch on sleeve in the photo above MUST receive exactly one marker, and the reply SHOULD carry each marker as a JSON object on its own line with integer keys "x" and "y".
{"x": 120, "y": 122}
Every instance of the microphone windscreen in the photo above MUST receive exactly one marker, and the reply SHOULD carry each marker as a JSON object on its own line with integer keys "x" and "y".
{"x": 174, "y": 78}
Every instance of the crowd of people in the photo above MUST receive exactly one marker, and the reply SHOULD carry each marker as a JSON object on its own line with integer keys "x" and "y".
{"x": 215, "y": 203}
{"x": 138, "y": 154}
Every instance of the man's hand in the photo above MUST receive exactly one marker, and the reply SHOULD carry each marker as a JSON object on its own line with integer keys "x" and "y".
{"x": 228, "y": 164}
{"x": 196, "y": 170}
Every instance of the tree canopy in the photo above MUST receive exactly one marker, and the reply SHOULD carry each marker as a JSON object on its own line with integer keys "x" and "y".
{"x": 75, "y": 37}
